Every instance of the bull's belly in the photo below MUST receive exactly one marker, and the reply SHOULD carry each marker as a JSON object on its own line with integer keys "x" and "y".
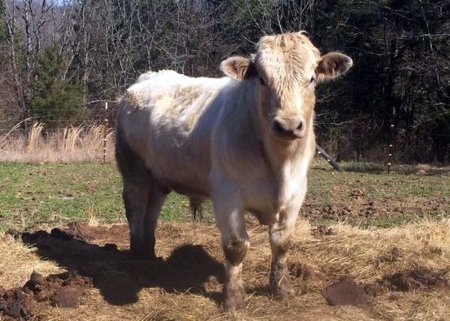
{"x": 190, "y": 189}
{"x": 177, "y": 163}
{"x": 186, "y": 178}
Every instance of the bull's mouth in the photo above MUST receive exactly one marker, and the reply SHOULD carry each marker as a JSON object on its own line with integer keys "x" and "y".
{"x": 288, "y": 135}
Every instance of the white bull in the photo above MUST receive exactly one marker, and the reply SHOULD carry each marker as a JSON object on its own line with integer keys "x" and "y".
{"x": 245, "y": 141}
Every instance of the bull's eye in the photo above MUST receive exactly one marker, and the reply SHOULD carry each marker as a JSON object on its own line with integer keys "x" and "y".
{"x": 261, "y": 81}
{"x": 312, "y": 82}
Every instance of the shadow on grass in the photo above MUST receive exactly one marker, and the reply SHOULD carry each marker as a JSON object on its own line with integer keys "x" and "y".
{"x": 120, "y": 278}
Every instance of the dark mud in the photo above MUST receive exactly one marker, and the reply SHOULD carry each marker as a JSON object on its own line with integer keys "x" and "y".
{"x": 62, "y": 290}
{"x": 348, "y": 292}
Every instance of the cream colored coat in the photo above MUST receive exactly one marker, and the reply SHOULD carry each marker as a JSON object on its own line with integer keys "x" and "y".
{"x": 245, "y": 141}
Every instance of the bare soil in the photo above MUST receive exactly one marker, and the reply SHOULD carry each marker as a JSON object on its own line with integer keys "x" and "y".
{"x": 365, "y": 200}
{"x": 99, "y": 280}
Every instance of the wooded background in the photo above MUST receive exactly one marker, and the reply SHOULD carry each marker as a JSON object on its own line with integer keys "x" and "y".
{"x": 60, "y": 60}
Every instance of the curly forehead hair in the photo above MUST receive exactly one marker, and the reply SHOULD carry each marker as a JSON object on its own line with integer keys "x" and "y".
{"x": 285, "y": 59}
{"x": 285, "y": 42}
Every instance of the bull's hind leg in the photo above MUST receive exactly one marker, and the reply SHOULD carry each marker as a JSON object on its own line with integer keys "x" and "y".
{"x": 195, "y": 203}
{"x": 143, "y": 202}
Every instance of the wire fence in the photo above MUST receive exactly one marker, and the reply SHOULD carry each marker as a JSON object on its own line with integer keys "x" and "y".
{"x": 96, "y": 115}
{"x": 36, "y": 138}
{"x": 48, "y": 140}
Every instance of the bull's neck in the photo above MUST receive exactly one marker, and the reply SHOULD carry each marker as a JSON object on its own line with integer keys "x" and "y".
{"x": 288, "y": 161}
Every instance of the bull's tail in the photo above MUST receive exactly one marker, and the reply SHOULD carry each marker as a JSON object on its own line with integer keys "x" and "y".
{"x": 195, "y": 203}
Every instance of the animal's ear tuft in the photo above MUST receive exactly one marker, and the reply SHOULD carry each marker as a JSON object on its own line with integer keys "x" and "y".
{"x": 333, "y": 65}
{"x": 238, "y": 68}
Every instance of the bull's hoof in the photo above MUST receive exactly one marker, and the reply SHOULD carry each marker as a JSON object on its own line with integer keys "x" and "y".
{"x": 281, "y": 292}
{"x": 234, "y": 299}
{"x": 142, "y": 254}
{"x": 142, "y": 249}
{"x": 280, "y": 282}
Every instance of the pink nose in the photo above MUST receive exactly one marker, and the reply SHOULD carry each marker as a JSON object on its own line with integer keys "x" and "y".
{"x": 291, "y": 128}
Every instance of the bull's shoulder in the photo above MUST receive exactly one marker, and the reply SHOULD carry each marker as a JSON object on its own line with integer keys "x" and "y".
{"x": 152, "y": 74}
{"x": 169, "y": 89}
{"x": 159, "y": 78}
{"x": 149, "y": 87}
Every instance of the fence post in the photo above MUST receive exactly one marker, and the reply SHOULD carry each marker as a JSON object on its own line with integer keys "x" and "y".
{"x": 328, "y": 158}
{"x": 391, "y": 148}
{"x": 105, "y": 129}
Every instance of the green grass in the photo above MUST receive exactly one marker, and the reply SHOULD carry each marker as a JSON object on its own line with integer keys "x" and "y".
{"x": 363, "y": 167}
{"x": 53, "y": 194}
{"x": 43, "y": 194}
{"x": 397, "y": 198}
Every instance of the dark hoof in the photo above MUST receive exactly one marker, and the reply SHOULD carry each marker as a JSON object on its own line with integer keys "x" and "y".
{"x": 234, "y": 299}
{"x": 281, "y": 293}
{"x": 142, "y": 255}
{"x": 281, "y": 290}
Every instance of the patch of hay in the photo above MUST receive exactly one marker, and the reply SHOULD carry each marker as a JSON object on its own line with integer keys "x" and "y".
{"x": 18, "y": 262}
{"x": 163, "y": 291}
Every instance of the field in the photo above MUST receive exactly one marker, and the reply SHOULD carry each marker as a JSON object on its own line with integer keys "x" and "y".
{"x": 368, "y": 246}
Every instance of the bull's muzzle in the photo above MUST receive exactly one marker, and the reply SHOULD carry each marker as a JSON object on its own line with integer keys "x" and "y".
{"x": 289, "y": 128}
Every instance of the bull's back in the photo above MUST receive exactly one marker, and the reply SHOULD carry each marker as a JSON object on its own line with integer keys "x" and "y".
{"x": 167, "y": 121}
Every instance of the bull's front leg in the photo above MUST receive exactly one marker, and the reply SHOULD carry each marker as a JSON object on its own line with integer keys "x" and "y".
{"x": 233, "y": 290}
{"x": 280, "y": 241}
{"x": 235, "y": 242}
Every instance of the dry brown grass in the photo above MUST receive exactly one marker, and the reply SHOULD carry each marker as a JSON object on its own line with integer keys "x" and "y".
{"x": 19, "y": 261}
{"x": 364, "y": 255}
{"x": 71, "y": 144}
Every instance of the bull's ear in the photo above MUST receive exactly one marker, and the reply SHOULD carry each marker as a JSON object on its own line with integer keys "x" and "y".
{"x": 333, "y": 65}
{"x": 239, "y": 68}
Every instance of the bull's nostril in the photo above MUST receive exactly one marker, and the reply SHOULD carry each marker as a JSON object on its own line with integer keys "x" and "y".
{"x": 277, "y": 127}
{"x": 300, "y": 126}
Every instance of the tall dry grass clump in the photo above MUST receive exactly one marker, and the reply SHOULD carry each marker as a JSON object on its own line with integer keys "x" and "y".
{"x": 71, "y": 136}
{"x": 34, "y": 137}
{"x": 84, "y": 143}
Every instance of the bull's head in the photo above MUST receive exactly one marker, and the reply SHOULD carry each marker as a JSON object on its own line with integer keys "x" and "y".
{"x": 285, "y": 71}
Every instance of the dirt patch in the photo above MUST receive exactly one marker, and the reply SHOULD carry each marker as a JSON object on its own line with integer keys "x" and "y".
{"x": 344, "y": 292}
{"x": 301, "y": 271}
{"x": 109, "y": 268}
{"x": 348, "y": 292}
{"x": 364, "y": 206}
{"x": 322, "y": 230}
{"x": 390, "y": 256}
{"x": 62, "y": 290}
{"x": 416, "y": 280}
{"x": 78, "y": 231}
